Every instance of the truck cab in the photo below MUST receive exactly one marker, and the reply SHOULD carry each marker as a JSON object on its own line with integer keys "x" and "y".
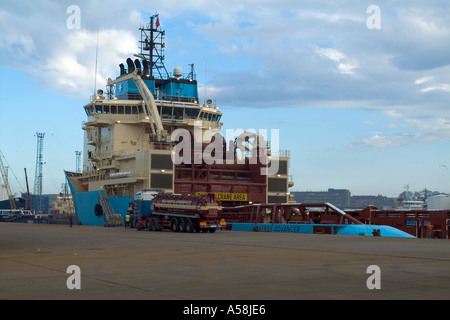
{"x": 141, "y": 206}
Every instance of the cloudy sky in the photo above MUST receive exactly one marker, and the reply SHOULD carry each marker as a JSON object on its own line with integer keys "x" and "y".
{"x": 360, "y": 99}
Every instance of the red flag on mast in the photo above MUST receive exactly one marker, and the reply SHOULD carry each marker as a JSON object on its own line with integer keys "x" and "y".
{"x": 157, "y": 22}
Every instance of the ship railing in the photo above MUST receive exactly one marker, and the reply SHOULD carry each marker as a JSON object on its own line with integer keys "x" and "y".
{"x": 280, "y": 153}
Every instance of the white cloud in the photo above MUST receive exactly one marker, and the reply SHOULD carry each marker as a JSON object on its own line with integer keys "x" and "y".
{"x": 259, "y": 53}
{"x": 423, "y": 80}
{"x": 14, "y": 42}
{"x": 400, "y": 140}
{"x": 344, "y": 64}
{"x": 70, "y": 68}
{"x": 303, "y": 55}
{"x": 442, "y": 87}
{"x": 432, "y": 84}
{"x": 332, "y": 17}
{"x": 208, "y": 91}
{"x": 419, "y": 132}
{"x": 332, "y": 54}
{"x": 61, "y": 59}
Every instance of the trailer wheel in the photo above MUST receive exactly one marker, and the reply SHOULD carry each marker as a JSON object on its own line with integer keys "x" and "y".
{"x": 212, "y": 230}
{"x": 137, "y": 224}
{"x": 190, "y": 227}
{"x": 148, "y": 224}
{"x": 153, "y": 225}
{"x": 175, "y": 225}
{"x": 181, "y": 225}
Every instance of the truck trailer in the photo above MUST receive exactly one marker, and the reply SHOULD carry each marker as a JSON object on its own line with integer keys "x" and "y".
{"x": 180, "y": 213}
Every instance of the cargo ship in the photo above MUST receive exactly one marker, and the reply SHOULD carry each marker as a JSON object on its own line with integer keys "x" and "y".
{"x": 149, "y": 131}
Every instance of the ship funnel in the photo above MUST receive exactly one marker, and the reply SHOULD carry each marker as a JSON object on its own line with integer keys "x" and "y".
{"x": 146, "y": 69}
{"x": 130, "y": 65}
{"x": 122, "y": 69}
{"x": 137, "y": 64}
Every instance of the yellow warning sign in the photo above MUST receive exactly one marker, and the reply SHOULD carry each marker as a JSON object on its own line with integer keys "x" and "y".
{"x": 227, "y": 196}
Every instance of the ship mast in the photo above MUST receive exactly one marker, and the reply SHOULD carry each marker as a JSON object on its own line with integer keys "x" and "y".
{"x": 152, "y": 49}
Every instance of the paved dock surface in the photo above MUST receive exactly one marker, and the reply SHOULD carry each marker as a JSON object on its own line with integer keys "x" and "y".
{"x": 118, "y": 263}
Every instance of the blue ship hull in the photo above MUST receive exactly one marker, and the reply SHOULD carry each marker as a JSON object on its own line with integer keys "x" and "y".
{"x": 337, "y": 229}
{"x": 85, "y": 203}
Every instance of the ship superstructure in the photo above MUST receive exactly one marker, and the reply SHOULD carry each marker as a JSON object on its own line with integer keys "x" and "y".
{"x": 132, "y": 131}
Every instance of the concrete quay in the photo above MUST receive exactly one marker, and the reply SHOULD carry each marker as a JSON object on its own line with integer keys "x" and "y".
{"x": 120, "y": 264}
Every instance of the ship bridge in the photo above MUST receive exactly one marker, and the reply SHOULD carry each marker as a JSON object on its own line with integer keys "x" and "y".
{"x": 104, "y": 112}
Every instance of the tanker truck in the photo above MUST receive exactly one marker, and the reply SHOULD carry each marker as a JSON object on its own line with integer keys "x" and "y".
{"x": 180, "y": 213}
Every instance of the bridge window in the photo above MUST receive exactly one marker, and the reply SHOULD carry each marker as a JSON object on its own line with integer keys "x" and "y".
{"x": 89, "y": 110}
{"x": 204, "y": 116}
{"x": 166, "y": 113}
{"x": 178, "y": 113}
{"x": 191, "y": 113}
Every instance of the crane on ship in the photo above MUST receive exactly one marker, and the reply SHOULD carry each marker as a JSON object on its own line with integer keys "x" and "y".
{"x": 152, "y": 46}
{"x": 152, "y": 111}
{"x": 6, "y": 183}
{"x": 28, "y": 204}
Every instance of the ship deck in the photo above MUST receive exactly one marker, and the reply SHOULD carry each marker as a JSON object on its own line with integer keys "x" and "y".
{"x": 118, "y": 263}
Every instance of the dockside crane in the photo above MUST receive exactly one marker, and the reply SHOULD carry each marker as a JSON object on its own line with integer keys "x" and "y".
{"x": 28, "y": 206}
{"x": 6, "y": 183}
